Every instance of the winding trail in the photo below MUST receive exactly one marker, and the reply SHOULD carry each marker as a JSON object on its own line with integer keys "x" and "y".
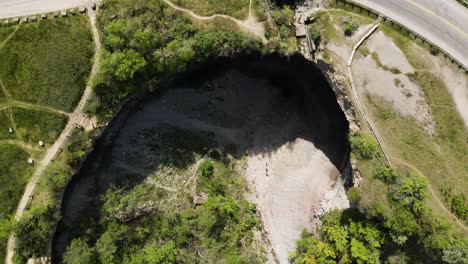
{"x": 10, "y": 102}
{"x": 9, "y": 37}
{"x": 19, "y": 143}
{"x": 51, "y": 153}
{"x": 250, "y": 25}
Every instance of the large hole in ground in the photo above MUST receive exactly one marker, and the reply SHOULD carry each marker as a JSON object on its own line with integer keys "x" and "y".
{"x": 276, "y": 116}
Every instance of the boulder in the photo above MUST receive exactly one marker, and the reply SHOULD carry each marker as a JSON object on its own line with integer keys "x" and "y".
{"x": 300, "y": 30}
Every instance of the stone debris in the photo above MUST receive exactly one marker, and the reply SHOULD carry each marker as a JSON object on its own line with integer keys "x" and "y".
{"x": 44, "y": 16}
{"x": 16, "y": 20}
{"x": 63, "y": 13}
{"x": 10, "y": 130}
{"x": 93, "y": 7}
{"x": 56, "y": 14}
{"x": 6, "y": 22}
{"x": 33, "y": 18}
{"x": 300, "y": 30}
{"x": 82, "y": 9}
{"x": 30, "y": 161}
{"x": 41, "y": 143}
{"x": 25, "y": 19}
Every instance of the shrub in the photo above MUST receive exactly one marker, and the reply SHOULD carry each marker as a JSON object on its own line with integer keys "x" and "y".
{"x": 434, "y": 50}
{"x": 364, "y": 146}
{"x": 386, "y": 174}
{"x": 206, "y": 168}
{"x": 350, "y": 25}
{"x": 354, "y": 194}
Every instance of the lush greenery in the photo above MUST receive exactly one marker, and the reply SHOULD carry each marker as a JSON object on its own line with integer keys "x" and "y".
{"x": 350, "y": 25}
{"x": 48, "y": 62}
{"x": 143, "y": 223}
{"x": 14, "y": 173}
{"x": 404, "y": 227}
{"x": 156, "y": 41}
{"x": 34, "y": 126}
{"x": 5, "y": 125}
{"x": 364, "y": 146}
{"x": 33, "y": 231}
{"x": 456, "y": 202}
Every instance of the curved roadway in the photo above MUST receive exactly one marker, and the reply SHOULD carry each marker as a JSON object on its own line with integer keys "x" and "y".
{"x": 13, "y": 8}
{"x": 444, "y": 22}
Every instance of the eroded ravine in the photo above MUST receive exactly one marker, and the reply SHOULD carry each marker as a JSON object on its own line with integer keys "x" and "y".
{"x": 279, "y": 115}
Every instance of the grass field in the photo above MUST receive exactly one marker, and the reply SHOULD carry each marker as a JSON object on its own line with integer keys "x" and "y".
{"x": 236, "y": 8}
{"x": 5, "y": 124}
{"x": 34, "y": 126}
{"x": 5, "y": 32}
{"x": 48, "y": 62}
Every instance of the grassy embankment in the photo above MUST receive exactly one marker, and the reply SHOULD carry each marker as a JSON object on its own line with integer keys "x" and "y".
{"x": 442, "y": 157}
{"x": 398, "y": 203}
{"x": 43, "y": 69}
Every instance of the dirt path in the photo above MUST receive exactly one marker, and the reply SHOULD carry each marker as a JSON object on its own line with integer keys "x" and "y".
{"x": 250, "y": 25}
{"x": 19, "y": 143}
{"x": 54, "y": 149}
{"x": 12, "y": 102}
{"x": 9, "y": 37}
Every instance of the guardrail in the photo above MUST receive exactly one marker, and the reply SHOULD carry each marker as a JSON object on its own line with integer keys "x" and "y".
{"x": 373, "y": 12}
{"x": 463, "y": 2}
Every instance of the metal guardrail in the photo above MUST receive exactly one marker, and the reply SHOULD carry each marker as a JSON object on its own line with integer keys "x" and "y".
{"x": 402, "y": 27}
{"x": 463, "y": 2}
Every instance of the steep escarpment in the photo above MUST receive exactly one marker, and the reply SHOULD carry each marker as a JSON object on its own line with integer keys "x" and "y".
{"x": 264, "y": 137}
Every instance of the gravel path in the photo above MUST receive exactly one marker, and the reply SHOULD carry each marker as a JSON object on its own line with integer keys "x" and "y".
{"x": 75, "y": 117}
{"x": 249, "y": 25}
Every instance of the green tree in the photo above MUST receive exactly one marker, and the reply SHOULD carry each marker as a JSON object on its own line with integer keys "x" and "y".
{"x": 363, "y": 145}
{"x": 165, "y": 254}
{"x": 80, "y": 252}
{"x": 123, "y": 65}
{"x": 107, "y": 245}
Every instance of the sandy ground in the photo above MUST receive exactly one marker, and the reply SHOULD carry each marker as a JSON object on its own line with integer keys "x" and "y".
{"x": 289, "y": 185}
{"x": 405, "y": 96}
{"x": 14, "y": 8}
{"x": 389, "y": 53}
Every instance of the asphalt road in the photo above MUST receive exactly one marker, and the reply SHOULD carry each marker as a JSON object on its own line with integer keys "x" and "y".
{"x": 13, "y": 8}
{"x": 444, "y": 22}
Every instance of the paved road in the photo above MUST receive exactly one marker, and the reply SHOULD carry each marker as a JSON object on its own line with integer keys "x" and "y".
{"x": 12, "y": 8}
{"x": 444, "y": 22}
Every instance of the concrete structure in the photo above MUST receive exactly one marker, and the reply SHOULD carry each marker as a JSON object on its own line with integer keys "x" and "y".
{"x": 300, "y": 30}
{"x": 443, "y": 22}
{"x": 14, "y": 8}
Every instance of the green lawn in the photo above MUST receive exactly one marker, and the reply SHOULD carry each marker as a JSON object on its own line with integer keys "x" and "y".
{"x": 236, "y": 8}
{"x": 14, "y": 173}
{"x": 48, "y": 62}
{"x": 5, "y": 32}
{"x": 5, "y": 124}
{"x": 34, "y": 126}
